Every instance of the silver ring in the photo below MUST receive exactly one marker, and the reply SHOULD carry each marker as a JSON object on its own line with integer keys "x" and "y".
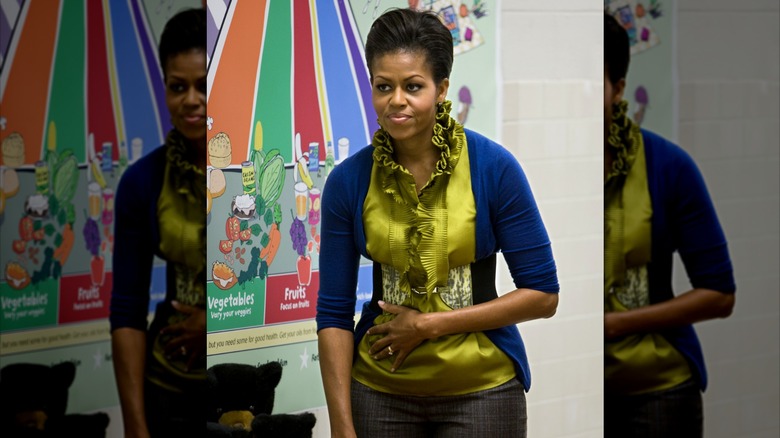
{"x": 389, "y": 350}
{"x": 183, "y": 350}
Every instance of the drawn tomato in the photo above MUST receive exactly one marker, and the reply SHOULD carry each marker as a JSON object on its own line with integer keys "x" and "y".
{"x": 19, "y": 246}
{"x": 26, "y": 228}
{"x": 233, "y": 228}
{"x": 245, "y": 235}
{"x": 225, "y": 246}
{"x": 38, "y": 234}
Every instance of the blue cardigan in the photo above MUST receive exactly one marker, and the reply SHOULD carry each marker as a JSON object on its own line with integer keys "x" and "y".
{"x": 684, "y": 220}
{"x": 137, "y": 240}
{"x": 507, "y": 220}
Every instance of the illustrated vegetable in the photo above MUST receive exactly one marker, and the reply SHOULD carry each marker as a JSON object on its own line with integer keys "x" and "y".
{"x": 271, "y": 180}
{"x": 233, "y": 228}
{"x": 66, "y": 177}
{"x": 16, "y": 276}
{"x": 19, "y": 246}
{"x": 274, "y": 239}
{"x": 245, "y": 235}
{"x": 225, "y": 246}
{"x": 26, "y": 228}
{"x": 63, "y": 251}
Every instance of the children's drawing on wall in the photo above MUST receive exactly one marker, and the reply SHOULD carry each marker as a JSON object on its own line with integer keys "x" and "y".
{"x": 648, "y": 25}
{"x": 636, "y": 19}
{"x": 641, "y": 102}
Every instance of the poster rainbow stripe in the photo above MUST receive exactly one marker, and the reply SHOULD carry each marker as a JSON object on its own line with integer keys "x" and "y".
{"x": 295, "y": 67}
{"x": 61, "y": 65}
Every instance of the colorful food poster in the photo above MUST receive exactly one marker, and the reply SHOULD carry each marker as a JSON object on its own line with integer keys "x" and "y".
{"x": 289, "y": 99}
{"x": 650, "y": 87}
{"x": 81, "y": 99}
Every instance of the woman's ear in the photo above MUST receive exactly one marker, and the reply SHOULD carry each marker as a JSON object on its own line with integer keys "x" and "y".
{"x": 617, "y": 90}
{"x": 442, "y": 88}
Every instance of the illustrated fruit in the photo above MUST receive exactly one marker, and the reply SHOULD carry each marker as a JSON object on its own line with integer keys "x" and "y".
{"x": 38, "y": 234}
{"x": 97, "y": 270}
{"x": 303, "y": 266}
{"x": 233, "y": 228}
{"x": 303, "y": 171}
{"x": 16, "y": 276}
{"x": 225, "y": 246}
{"x": 97, "y": 173}
{"x": 245, "y": 235}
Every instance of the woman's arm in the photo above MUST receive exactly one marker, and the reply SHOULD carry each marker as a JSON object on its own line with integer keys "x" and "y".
{"x": 128, "y": 347}
{"x": 410, "y": 328}
{"x": 688, "y": 308}
{"x": 335, "y": 350}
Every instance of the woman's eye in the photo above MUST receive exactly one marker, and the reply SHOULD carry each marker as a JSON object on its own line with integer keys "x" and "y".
{"x": 413, "y": 87}
{"x": 176, "y": 88}
{"x": 383, "y": 87}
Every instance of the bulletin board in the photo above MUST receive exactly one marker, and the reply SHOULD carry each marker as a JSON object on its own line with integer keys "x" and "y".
{"x": 288, "y": 99}
{"x": 81, "y": 99}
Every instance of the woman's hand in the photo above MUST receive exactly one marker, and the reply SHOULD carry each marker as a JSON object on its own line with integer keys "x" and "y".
{"x": 188, "y": 337}
{"x": 401, "y": 335}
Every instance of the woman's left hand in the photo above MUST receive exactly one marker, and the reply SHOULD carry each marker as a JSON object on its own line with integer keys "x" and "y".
{"x": 401, "y": 335}
{"x": 188, "y": 337}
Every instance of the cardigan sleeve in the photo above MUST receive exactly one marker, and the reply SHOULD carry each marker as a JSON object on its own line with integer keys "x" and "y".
{"x": 696, "y": 231}
{"x": 133, "y": 247}
{"x": 518, "y": 227}
{"x": 339, "y": 255}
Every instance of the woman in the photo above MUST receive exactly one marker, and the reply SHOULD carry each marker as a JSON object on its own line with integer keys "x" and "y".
{"x": 437, "y": 351}
{"x": 656, "y": 203}
{"x": 160, "y": 371}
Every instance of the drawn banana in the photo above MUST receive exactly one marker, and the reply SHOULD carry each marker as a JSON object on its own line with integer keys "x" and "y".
{"x": 97, "y": 173}
{"x": 303, "y": 171}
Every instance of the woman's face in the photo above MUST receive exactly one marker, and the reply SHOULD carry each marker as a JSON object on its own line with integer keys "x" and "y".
{"x": 405, "y": 95}
{"x": 185, "y": 93}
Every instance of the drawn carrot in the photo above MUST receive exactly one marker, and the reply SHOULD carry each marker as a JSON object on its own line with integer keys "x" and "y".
{"x": 63, "y": 251}
{"x": 274, "y": 239}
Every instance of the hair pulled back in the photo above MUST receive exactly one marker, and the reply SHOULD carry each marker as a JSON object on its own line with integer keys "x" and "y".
{"x": 183, "y": 32}
{"x": 408, "y": 30}
{"x": 616, "y": 49}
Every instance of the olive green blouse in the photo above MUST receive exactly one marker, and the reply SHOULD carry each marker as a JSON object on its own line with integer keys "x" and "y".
{"x": 426, "y": 245}
{"x": 641, "y": 362}
{"x": 182, "y": 245}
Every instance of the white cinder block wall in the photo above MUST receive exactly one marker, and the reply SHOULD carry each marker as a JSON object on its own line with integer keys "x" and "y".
{"x": 552, "y": 66}
{"x": 728, "y": 55}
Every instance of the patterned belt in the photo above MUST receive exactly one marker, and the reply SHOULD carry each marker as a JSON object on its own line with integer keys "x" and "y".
{"x": 438, "y": 289}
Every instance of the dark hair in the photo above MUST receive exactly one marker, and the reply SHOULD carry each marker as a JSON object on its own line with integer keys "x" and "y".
{"x": 184, "y": 31}
{"x": 616, "y": 49}
{"x": 407, "y": 30}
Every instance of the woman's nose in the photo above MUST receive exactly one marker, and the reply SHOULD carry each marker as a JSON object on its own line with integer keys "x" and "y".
{"x": 398, "y": 97}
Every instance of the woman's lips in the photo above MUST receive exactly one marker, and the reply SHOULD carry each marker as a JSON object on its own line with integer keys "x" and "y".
{"x": 195, "y": 119}
{"x": 399, "y": 118}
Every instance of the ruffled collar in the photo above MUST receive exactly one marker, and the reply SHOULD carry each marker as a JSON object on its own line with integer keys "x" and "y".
{"x": 187, "y": 178}
{"x": 624, "y": 138}
{"x": 420, "y": 221}
{"x": 448, "y": 136}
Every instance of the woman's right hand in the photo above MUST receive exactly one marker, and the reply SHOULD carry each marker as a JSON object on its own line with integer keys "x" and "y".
{"x": 401, "y": 335}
